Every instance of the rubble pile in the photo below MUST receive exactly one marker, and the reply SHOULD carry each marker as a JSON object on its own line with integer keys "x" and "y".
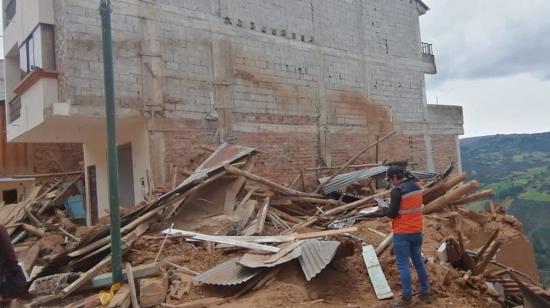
{"x": 229, "y": 237}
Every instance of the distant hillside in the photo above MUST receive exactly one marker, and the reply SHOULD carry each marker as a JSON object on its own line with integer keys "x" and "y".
{"x": 518, "y": 168}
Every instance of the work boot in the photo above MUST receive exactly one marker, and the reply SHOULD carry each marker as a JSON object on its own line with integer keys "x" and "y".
{"x": 403, "y": 301}
{"x": 425, "y": 297}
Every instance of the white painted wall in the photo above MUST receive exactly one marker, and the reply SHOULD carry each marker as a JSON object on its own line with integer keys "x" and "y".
{"x": 95, "y": 153}
{"x": 41, "y": 95}
{"x": 29, "y": 13}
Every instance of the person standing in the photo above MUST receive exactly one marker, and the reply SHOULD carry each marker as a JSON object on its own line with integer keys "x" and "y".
{"x": 405, "y": 209}
{"x": 12, "y": 279}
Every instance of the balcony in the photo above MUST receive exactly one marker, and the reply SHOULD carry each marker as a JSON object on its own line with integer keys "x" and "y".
{"x": 428, "y": 58}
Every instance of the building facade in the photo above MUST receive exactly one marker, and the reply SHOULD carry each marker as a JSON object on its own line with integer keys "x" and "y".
{"x": 310, "y": 82}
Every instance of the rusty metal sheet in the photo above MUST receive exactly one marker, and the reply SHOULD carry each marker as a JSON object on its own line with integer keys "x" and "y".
{"x": 316, "y": 255}
{"x": 228, "y": 273}
{"x": 224, "y": 154}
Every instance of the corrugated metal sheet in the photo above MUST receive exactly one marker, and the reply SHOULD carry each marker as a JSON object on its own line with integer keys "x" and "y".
{"x": 316, "y": 255}
{"x": 345, "y": 179}
{"x": 224, "y": 154}
{"x": 228, "y": 273}
{"x": 258, "y": 260}
{"x": 342, "y": 180}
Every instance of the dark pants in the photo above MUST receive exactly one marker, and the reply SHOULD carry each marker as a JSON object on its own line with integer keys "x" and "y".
{"x": 13, "y": 283}
{"x": 405, "y": 247}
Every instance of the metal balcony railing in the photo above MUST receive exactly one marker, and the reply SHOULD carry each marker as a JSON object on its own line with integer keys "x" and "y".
{"x": 14, "y": 109}
{"x": 427, "y": 49}
{"x": 10, "y": 12}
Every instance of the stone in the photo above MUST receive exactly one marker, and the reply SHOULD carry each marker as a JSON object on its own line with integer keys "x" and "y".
{"x": 153, "y": 291}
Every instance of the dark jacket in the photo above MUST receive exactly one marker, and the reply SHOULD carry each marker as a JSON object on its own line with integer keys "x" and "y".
{"x": 12, "y": 279}
{"x": 405, "y": 187}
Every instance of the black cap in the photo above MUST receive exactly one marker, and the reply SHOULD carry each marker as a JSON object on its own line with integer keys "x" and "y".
{"x": 395, "y": 170}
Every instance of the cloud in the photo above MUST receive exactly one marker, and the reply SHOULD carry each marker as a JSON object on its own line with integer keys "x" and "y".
{"x": 488, "y": 39}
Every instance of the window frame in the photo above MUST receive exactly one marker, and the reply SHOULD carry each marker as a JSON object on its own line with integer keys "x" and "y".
{"x": 33, "y": 47}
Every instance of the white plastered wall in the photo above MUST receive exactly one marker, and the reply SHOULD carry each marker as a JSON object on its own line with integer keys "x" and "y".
{"x": 95, "y": 153}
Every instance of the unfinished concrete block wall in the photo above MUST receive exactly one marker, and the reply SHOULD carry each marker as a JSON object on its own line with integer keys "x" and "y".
{"x": 309, "y": 81}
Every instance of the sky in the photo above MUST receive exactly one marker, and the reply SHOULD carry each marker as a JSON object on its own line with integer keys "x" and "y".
{"x": 493, "y": 58}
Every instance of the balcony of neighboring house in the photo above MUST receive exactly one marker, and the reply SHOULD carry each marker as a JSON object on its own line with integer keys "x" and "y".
{"x": 428, "y": 58}
{"x": 31, "y": 80}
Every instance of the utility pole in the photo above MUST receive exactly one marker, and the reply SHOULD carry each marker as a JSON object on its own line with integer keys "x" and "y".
{"x": 112, "y": 152}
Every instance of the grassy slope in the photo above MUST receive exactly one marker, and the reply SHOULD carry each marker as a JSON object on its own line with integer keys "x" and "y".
{"x": 518, "y": 168}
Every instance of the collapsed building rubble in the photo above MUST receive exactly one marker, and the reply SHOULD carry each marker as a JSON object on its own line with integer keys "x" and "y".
{"x": 227, "y": 236}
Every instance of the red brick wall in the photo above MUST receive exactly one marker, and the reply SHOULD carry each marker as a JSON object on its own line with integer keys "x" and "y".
{"x": 57, "y": 157}
{"x": 444, "y": 151}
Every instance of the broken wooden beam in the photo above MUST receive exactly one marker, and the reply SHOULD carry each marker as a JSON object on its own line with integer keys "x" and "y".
{"x": 310, "y": 235}
{"x": 224, "y": 240}
{"x": 440, "y": 188}
{"x": 262, "y": 215}
{"x": 482, "y": 264}
{"x": 281, "y": 189}
{"x": 384, "y": 244}
{"x": 132, "y": 285}
{"x": 475, "y": 196}
{"x": 85, "y": 277}
{"x": 337, "y": 210}
{"x": 482, "y": 250}
{"x": 449, "y": 197}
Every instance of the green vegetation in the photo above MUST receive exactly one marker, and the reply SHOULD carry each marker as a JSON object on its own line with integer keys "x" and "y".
{"x": 518, "y": 168}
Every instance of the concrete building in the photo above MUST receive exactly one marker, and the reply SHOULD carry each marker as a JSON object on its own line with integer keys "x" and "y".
{"x": 308, "y": 81}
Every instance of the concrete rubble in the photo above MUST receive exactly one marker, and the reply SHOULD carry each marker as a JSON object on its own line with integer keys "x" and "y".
{"x": 227, "y": 236}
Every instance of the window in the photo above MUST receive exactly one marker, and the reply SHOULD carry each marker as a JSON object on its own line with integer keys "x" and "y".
{"x": 9, "y": 196}
{"x": 9, "y": 12}
{"x": 37, "y": 51}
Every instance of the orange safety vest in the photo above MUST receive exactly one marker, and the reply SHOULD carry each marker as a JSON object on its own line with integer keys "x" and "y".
{"x": 409, "y": 219}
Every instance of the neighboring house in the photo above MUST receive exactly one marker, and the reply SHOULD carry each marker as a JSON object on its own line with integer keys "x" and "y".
{"x": 309, "y": 81}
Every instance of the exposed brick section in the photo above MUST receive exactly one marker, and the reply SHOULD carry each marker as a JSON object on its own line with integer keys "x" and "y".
{"x": 444, "y": 151}
{"x": 58, "y": 157}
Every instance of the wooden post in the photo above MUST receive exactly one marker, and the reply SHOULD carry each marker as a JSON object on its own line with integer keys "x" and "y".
{"x": 489, "y": 256}
{"x": 132, "y": 285}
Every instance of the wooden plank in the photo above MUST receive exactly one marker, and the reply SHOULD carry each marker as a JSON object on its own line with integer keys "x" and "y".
{"x": 225, "y": 240}
{"x": 181, "y": 268}
{"x": 338, "y": 210}
{"x": 304, "y": 236}
{"x": 132, "y": 285}
{"x": 281, "y": 189}
{"x": 234, "y": 188}
{"x": 244, "y": 212}
{"x": 262, "y": 215}
{"x": 140, "y": 271}
{"x": 376, "y": 275}
{"x": 85, "y": 277}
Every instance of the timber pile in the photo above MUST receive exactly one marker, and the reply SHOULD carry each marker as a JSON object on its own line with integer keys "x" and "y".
{"x": 264, "y": 239}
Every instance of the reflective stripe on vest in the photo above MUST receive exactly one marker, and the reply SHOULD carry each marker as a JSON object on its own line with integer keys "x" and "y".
{"x": 410, "y": 215}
